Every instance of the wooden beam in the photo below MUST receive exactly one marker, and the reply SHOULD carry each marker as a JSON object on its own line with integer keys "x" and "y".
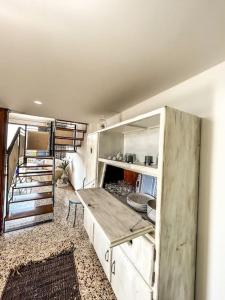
{"x": 3, "y": 147}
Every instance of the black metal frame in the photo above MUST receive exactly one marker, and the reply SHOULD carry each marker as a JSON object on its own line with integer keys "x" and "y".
{"x": 23, "y": 131}
{"x": 64, "y": 124}
{"x": 9, "y": 151}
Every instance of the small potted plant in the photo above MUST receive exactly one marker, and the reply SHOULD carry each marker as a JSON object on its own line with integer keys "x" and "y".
{"x": 64, "y": 177}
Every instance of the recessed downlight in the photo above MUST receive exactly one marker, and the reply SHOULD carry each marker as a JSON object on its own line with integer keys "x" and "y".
{"x": 37, "y": 102}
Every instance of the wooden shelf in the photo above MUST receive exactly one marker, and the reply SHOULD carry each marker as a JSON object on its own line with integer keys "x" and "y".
{"x": 150, "y": 119}
{"x": 147, "y": 170}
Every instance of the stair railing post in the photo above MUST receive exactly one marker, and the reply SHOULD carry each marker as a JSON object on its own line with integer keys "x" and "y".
{"x": 75, "y": 136}
{"x": 7, "y": 185}
{"x": 25, "y": 145}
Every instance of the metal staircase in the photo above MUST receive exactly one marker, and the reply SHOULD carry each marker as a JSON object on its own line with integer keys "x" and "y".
{"x": 31, "y": 170}
{"x": 30, "y": 178}
{"x": 68, "y": 136}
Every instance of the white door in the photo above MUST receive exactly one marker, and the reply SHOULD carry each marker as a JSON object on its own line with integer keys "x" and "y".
{"x": 88, "y": 224}
{"x": 102, "y": 249}
{"x": 125, "y": 280}
{"x": 92, "y": 155}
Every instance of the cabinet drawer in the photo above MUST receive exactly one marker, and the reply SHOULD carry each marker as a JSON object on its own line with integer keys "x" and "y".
{"x": 140, "y": 252}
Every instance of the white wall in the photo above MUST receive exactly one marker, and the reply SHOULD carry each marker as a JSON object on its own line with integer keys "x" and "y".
{"x": 203, "y": 95}
{"x": 77, "y": 170}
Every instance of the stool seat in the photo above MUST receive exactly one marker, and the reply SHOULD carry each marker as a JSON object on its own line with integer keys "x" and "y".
{"x": 74, "y": 201}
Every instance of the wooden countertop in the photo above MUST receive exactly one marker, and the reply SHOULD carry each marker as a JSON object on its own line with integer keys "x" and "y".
{"x": 119, "y": 222}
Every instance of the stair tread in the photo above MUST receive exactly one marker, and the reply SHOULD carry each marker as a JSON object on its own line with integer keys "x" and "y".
{"x": 68, "y": 145}
{"x": 32, "y": 197}
{"x": 34, "y": 174}
{"x": 60, "y": 137}
{"x": 31, "y": 165}
{"x": 64, "y": 129}
{"x": 34, "y": 171}
{"x": 69, "y": 151}
{"x": 39, "y": 157}
{"x": 29, "y": 212}
{"x": 32, "y": 184}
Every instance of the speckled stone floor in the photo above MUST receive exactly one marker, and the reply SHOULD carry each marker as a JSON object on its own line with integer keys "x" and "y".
{"x": 38, "y": 243}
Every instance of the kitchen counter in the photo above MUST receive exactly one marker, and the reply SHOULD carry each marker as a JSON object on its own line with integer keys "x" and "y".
{"x": 119, "y": 222}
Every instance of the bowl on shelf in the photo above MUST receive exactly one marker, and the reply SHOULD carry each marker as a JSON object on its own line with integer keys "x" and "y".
{"x": 139, "y": 201}
{"x": 151, "y": 210}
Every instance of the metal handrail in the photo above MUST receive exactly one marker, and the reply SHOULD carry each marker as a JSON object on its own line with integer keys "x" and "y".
{"x": 9, "y": 150}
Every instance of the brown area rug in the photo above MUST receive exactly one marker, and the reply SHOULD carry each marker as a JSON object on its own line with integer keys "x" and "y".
{"x": 53, "y": 278}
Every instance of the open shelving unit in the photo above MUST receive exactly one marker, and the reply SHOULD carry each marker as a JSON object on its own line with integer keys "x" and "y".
{"x": 173, "y": 137}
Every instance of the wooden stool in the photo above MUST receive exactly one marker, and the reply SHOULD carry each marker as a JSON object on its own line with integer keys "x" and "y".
{"x": 74, "y": 202}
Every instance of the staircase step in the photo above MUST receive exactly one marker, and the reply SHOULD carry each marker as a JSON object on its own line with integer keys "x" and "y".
{"x": 35, "y": 174}
{"x": 32, "y": 224}
{"x": 68, "y": 138}
{"x": 67, "y": 145}
{"x": 30, "y": 212}
{"x": 68, "y": 151}
{"x": 28, "y": 225}
{"x": 64, "y": 129}
{"x": 39, "y": 157}
{"x": 64, "y": 145}
{"x": 34, "y": 171}
{"x": 31, "y": 197}
{"x": 31, "y": 165}
{"x": 33, "y": 184}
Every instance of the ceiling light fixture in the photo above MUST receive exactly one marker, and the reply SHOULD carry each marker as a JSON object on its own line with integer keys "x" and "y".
{"x": 37, "y": 102}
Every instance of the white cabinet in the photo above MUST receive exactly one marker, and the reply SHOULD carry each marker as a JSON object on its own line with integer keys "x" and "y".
{"x": 99, "y": 240}
{"x": 126, "y": 282}
{"x": 89, "y": 224}
{"x": 102, "y": 248}
{"x": 91, "y": 162}
{"x": 177, "y": 141}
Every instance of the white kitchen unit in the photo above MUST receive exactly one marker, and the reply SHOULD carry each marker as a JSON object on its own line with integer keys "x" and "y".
{"x": 143, "y": 260}
{"x": 110, "y": 225}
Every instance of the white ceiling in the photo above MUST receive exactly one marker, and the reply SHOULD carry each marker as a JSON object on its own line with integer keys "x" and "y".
{"x": 87, "y": 58}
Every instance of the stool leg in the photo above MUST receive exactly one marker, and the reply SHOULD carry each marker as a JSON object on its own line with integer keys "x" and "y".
{"x": 75, "y": 216}
{"x": 68, "y": 212}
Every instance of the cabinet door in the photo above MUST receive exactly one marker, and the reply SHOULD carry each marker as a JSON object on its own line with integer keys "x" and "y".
{"x": 125, "y": 280}
{"x": 88, "y": 224}
{"x": 140, "y": 252}
{"x": 103, "y": 251}
{"x": 92, "y": 154}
